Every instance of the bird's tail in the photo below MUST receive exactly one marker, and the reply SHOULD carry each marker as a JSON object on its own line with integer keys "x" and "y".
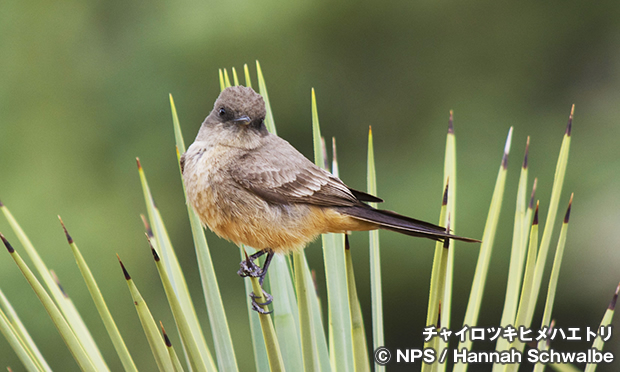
{"x": 389, "y": 220}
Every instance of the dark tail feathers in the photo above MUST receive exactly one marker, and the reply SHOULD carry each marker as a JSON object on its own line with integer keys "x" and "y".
{"x": 389, "y": 220}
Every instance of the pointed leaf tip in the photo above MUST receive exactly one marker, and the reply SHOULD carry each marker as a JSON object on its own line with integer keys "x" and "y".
{"x": 8, "y": 245}
{"x": 570, "y": 204}
{"x": 155, "y": 255}
{"x": 347, "y": 246}
{"x": 527, "y": 150}
{"x": 451, "y": 123}
{"x": 127, "y": 276}
{"x": 370, "y": 130}
{"x": 153, "y": 251}
{"x": 245, "y": 253}
{"x": 612, "y": 304}
{"x": 535, "y": 222}
{"x": 444, "y": 201}
{"x": 166, "y": 338}
{"x": 69, "y": 238}
{"x": 1, "y": 204}
{"x": 569, "y": 126}
{"x": 139, "y": 165}
{"x": 507, "y": 149}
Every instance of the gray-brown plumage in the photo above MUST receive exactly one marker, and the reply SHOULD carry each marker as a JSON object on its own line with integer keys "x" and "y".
{"x": 252, "y": 187}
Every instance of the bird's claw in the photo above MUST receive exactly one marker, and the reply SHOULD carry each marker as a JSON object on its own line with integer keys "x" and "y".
{"x": 258, "y": 306}
{"x": 267, "y": 296}
{"x": 249, "y": 268}
{"x": 259, "y": 309}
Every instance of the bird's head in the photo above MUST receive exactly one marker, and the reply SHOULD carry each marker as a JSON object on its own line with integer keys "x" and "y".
{"x": 237, "y": 118}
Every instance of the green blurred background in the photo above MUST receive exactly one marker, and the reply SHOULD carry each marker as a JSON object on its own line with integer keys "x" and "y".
{"x": 84, "y": 90}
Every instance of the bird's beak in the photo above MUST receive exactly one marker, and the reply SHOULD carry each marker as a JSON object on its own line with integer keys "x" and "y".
{"x": 243, "y": 120}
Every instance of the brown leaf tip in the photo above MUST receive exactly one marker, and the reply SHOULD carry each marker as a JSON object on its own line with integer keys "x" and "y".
{"x": 451, "y": 123}
{"x": 153, "y": 251}
{"x": 69, "y": 238}
{"x": 569, "y": 126}
{"x": 155, "y": 255}
{"x": 127, "y": 276}
{"x": 8, "y": 245}
{"x": 612, "y": 304}
{"x": 505, "y": 161}
{"x": 1, "y": 204}
{"x": 527, "y": 150}
{"x": 535, "y": 222}
{"x": 570, "y": 204}
{"x": 444, "y": 200}
{"x": 139, "y": 165}
{"x": 347, "y": 246}
{"x": 531, "y": 206}
{"x": 166, "y": 338}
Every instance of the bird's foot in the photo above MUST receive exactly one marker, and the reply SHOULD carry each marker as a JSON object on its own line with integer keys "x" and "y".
{"x": 258, "y": 306}
{"x": 249, "y": 268}
{"x": 267, "y": 296}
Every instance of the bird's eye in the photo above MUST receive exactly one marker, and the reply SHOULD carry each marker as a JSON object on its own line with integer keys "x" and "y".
{"x": 222, "y": 112}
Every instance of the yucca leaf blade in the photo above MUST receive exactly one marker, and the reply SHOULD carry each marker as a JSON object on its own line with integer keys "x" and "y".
{"x": 73, "y": 343}
{"x": 484, "y": 257}
{"x": 341, "y": 342}
{"x": 158, "y": 347}
{"x": 100, "y": 304}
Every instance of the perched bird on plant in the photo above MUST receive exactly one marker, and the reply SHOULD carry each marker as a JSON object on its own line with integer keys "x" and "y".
{"x": 252, "y": 187}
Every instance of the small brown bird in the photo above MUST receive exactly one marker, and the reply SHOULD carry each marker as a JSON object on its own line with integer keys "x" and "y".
{"x": 252, "y": 187}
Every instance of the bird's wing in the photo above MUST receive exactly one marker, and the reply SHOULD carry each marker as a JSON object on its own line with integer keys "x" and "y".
{"x": 280, "y": 174}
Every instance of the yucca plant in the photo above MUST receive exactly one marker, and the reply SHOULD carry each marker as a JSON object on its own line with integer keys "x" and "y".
{"x": 293, "y": 338}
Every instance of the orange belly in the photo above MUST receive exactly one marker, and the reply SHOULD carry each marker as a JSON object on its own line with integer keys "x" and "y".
{"x": 287, "y": 234}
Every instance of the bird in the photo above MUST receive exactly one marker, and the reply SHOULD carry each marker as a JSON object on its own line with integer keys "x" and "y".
{"x": 251, "y": 187}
